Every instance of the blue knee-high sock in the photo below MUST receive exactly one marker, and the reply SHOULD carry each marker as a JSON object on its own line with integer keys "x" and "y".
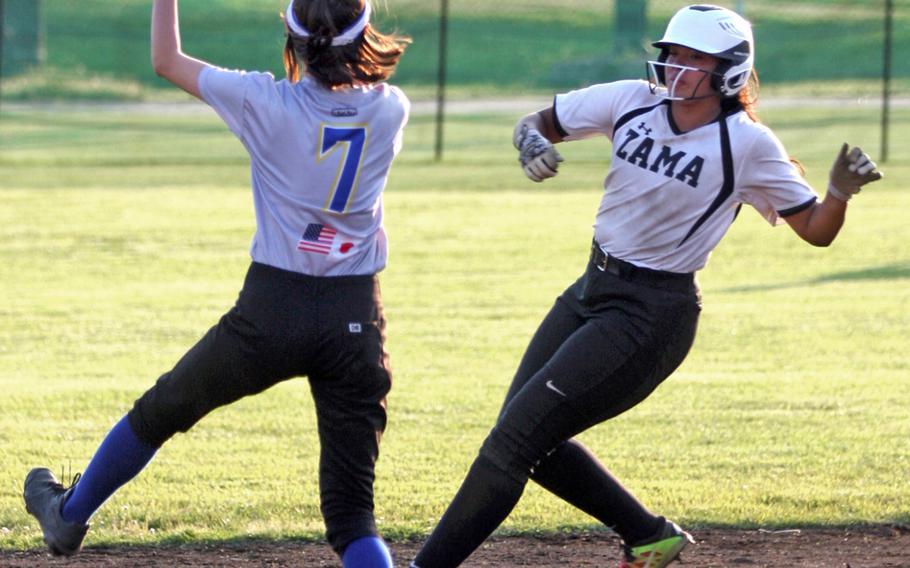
{"x": 367, "y": 552}
{"x": 120, "y": 458}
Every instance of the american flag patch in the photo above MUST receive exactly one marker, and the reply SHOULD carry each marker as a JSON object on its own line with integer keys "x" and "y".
{"x": 317, "y": 238}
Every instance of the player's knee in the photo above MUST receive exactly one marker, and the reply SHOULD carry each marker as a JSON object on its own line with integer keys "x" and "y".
{"x": 162, "y": 412}
{"x": 511, "y": 450}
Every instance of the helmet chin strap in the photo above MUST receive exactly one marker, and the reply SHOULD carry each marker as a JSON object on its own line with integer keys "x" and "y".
{"x": 700, "y": 97}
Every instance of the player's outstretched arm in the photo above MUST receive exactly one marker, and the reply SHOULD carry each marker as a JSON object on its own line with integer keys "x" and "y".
{"x": 819, "y": 224}
{"x": 168, "y": 60}
{"x": 533, "y": 137}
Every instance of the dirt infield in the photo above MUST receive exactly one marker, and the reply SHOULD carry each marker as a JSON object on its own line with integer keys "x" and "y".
{"x": 871, "y": 547}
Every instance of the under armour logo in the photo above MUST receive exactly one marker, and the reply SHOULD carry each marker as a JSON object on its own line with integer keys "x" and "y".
{"x": 355, "y": 327}
{"x": 644, "y": 128}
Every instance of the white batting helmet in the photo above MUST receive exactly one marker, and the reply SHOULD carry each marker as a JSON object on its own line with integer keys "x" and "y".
{"x": 719, "y": 32}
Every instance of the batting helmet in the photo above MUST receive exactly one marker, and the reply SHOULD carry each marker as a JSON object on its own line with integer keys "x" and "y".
{"x": 716, "y": 31}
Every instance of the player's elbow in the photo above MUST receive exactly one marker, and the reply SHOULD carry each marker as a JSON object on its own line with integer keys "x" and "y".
{"x": 821, "y": 241}
{"x": 160, "y": 65}
{"x": 164, "y": 60}
{"x": 815, "y": 228}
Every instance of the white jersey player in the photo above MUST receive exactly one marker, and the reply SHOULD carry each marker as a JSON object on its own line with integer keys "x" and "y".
{"x": 320, "y": 144}
{"x": 688, "y": 151}
{"x": 670, "y": 195}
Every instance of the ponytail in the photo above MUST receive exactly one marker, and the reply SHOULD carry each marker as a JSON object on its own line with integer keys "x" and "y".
{"x": 372, "y": 57}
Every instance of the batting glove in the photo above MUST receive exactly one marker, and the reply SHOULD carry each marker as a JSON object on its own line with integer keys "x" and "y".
{"x": 538, "y": 158}
{"x": 850, "y": 172}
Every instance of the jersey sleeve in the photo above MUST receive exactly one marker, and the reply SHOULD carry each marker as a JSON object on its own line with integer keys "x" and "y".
{"x": 771, "y": 183}
{"x": 405, "y": 109}
{"x": 230, "y": 93}
{"x": 592, "y": 111}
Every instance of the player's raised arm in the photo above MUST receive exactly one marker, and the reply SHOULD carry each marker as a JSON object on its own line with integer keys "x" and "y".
{"x": 819, "y": 225}
{"x": 168, "y": 60}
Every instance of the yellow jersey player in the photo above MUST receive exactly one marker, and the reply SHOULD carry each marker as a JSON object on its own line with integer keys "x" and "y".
{"x": 320, "y": 144}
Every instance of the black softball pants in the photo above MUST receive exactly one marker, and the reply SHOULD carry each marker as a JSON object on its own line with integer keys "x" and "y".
{"x": 608, "y": 342}
{"x": 285, "y": 325}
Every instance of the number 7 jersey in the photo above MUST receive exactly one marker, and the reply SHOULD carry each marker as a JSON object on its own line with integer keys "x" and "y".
{"x": 319, "y": 161}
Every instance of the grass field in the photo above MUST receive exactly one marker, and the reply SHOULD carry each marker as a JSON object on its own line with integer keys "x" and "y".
{"x": 123, "y": 237}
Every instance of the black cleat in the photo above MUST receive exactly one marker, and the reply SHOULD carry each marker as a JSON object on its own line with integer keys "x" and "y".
{"x": 44, "y": 499}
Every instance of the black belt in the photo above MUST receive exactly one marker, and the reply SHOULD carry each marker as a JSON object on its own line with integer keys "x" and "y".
{"x": 602, "y": 261}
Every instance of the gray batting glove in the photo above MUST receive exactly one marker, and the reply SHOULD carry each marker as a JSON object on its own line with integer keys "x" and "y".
{"x": 538, "y": 158}
{"x": 850, "y": 172}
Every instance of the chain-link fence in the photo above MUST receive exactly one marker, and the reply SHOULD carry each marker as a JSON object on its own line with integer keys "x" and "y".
{"x": 818, "y": 46}
{"x": 98, "y": 49}
{"x": 807, "y": 50}
{"x": 494, "y": 48}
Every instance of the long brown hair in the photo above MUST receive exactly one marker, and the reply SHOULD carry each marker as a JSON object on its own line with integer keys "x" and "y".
{"x": 370, "y": 58}
{"x": 746, "y": 100}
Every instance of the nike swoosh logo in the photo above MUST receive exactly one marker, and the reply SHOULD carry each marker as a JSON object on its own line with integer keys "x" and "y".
{"x": 555, "y": 389}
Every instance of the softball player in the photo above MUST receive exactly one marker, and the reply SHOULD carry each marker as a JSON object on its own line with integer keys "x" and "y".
{"x": 320, "y": 144}
{"x": 687, "y": 152}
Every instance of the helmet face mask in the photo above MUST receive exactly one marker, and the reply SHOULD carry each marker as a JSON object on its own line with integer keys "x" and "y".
{"x": 657, "y": 80}
{"x": 713, "y": 30}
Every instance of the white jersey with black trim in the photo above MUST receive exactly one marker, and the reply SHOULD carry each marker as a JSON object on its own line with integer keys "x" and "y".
{"x": 319, "y": 161}
{"x": 670, "y": 196}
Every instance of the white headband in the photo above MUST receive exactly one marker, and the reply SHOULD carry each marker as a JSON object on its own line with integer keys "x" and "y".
{"x": 347, "y": 35}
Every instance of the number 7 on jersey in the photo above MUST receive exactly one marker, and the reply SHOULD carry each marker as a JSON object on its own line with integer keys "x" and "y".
{"x": 352, "y": 141}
